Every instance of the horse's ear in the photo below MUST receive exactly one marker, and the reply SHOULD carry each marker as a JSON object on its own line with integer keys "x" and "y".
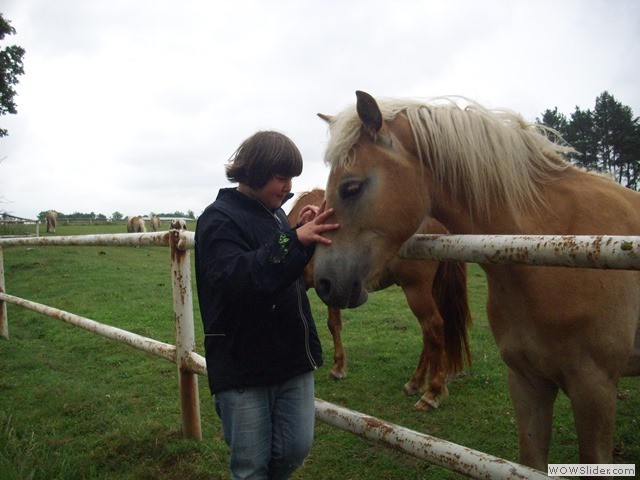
{"x": 369, "y": 113}
{"x": 326, "y": 118}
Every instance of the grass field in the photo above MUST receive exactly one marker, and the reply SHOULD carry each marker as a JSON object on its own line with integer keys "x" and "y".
{"x": 77, "y": 406}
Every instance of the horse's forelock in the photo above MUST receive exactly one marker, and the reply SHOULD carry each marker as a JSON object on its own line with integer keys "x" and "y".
{"x": 345, "y": 130}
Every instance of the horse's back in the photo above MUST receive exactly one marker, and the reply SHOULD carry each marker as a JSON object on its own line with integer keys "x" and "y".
{"x": 312, "y": 197}
{"x": 586, "y": 203}
{"x": 135, "y": 225}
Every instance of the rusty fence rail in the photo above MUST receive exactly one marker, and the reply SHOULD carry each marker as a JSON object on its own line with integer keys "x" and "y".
{"x": 584, "y": 251}
{"x": 569, "y": 251}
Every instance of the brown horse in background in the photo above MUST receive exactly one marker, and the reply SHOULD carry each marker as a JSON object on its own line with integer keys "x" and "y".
{"x": 178, "y": 224}
{"x": 437, "y": 295}
{"x": 135, "y": 225}
{"x": 52, "y": 221}
{"x": 481, "y": 171}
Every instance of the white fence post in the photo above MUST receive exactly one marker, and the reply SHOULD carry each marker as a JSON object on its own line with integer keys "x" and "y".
{"x": 4, "y": 323}
{"x": 185, "y": 336}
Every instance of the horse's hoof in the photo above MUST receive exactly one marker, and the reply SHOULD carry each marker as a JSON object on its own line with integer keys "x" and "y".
{"x": 426, "y": 404}
{"x": 338, "y": 374}
{"x": 410, "y": 389}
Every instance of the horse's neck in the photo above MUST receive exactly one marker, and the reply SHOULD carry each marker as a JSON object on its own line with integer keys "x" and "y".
{"x": 458, "y": 218}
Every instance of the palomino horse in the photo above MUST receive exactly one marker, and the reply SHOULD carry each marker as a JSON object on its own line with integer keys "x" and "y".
{"x": 178, "y": 224}
{"x": 135, "y": 224}
{"x": 437, "y": 295}
{"x": 393, "y": 162}
{"x": 155, "y": 223}
{"x": 52, "y": 221}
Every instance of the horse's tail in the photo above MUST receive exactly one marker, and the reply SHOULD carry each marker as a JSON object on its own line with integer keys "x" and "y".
{"x": 450, "y": 294}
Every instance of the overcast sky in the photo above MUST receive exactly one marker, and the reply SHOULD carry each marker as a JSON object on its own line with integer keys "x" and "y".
{"x": 135, "y": 106}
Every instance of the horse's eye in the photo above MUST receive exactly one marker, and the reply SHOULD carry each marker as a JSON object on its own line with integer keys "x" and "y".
{"x": 351, "y": 189}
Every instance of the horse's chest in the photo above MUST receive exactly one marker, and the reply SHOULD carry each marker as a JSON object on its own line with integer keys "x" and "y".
{"x": 545, "y": 319}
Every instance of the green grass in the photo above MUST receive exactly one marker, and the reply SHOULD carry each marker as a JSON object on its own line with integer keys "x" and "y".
{"x": 77, "y": 406}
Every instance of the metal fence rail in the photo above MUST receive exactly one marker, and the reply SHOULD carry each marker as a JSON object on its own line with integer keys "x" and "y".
{"x": 584, "y": 251}
{"x": 569, "y": 251}
{"x": 472, "y": 463}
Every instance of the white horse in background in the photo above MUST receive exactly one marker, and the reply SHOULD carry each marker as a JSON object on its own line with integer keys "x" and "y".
{"x": 52, "y": 221}
{"x": 155, "y": 223}
{"x": 135, "y": 225}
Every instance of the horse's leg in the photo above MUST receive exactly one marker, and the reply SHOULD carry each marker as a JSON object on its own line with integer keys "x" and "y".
{"x": 533, "y": 400}
{"x": 593, "y": 399}
{"x": 432, "y": 356}
{"x": 334, "y": 321}
{"x": 632, "y": 368}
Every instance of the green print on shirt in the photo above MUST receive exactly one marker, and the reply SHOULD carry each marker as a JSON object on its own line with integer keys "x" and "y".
{"x": 282, "y": 251}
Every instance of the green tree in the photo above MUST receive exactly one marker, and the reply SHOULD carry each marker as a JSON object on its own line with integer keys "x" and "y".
{"x": 606, "y": 139}
{"x": 556, "y": 121}
{"x": 580, "y": 135}
{"x": 10, "y": 68}
{"x": 616, "y": 132}
{"x": 116, "y": 216}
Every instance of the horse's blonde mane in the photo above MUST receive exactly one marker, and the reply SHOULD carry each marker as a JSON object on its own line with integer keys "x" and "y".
{"x": 477, "y": 154}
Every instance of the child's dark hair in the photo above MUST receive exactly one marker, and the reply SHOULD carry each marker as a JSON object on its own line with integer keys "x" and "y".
{"x": 263, "y": 155}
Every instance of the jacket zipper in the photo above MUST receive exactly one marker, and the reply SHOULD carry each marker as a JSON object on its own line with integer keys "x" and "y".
{"x": 307, "y": 345}
{"x": 306, "y": 325}
{"x": 275, "y": 217}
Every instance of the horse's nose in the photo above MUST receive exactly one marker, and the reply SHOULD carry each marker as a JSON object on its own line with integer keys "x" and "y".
{"x": 336, "y": 297}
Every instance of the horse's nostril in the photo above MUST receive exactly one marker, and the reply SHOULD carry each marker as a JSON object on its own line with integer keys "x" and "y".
{"x": 323, "y": 287}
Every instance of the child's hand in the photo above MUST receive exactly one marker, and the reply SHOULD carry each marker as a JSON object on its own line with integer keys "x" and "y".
{"x": 307, "y": 214}
{"x": 312, "y": 229}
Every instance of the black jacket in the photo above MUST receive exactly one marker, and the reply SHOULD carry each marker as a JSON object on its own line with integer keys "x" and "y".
{"x": 255, "y": 311}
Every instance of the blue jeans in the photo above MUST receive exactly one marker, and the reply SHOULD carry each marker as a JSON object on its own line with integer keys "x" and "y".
{"x": 269, "y": 429}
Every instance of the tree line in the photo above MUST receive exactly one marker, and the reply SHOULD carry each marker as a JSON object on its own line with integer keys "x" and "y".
{"x": 115, "y": 216}
{"x": 606, "y": 139}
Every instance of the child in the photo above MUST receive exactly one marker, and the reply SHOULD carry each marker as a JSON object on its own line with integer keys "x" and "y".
{"x": 261, "y": 343}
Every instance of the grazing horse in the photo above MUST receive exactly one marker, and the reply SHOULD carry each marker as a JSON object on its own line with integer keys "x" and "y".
{"x": 437, "y": 295}
{"x": 155, "y": 223}
{"x": 52, "y": 221}
{"x": 480, "y": 171}
{"x": 135, "y": 225}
